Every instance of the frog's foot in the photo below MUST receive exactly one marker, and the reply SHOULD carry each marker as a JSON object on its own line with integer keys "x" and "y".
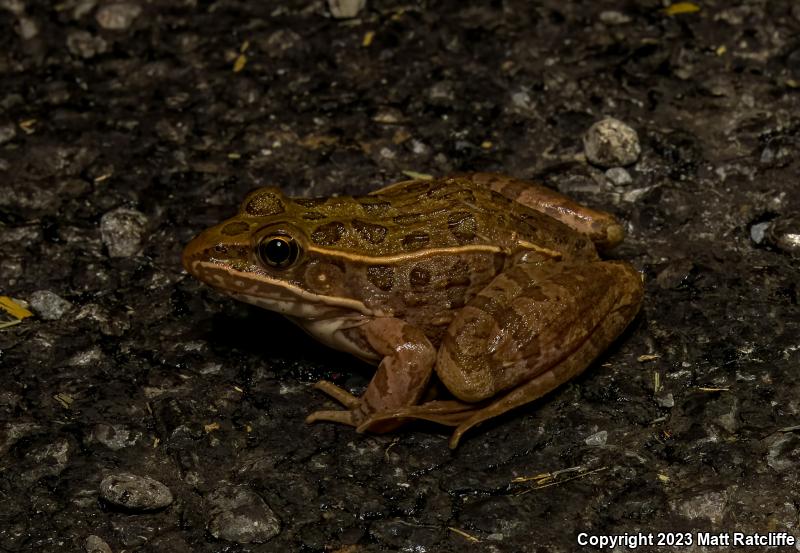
{"x": 351, "y": 402}
{"x": 447, "y": 413}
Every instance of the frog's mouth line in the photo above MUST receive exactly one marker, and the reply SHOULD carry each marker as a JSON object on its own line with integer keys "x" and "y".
{"x": 273, "y": 294}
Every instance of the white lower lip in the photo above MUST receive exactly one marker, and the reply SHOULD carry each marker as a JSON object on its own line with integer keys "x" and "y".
{"x": 290, "y": 300}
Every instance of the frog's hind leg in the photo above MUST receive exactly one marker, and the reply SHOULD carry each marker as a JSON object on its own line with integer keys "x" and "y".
{"x": 601, "y": 227}
{"x": 525, "y": 393}
{"x": 531, "y": 329}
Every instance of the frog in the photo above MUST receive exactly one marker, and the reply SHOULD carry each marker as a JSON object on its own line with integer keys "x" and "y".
{"x": 472, "y": 294}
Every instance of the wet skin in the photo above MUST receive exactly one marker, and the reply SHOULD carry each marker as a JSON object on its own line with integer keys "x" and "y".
{"x": 492, "y": 284}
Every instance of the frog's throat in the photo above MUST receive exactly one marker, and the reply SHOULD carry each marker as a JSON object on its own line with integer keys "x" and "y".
{"x": 274, "y": 294}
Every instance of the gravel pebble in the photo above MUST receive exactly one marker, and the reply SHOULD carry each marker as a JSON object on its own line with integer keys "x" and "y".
{"x": 612, "y": 17}
{"x": 49, "y": 305}
{"x": 139, "y": 493}
{"x": 343, "y": 9}
{"x": 122, "y": 230}
{"x": 240, "y": 515}
{"x": 619, "y": 176}
{"x": 666, "y": 400}
{"x": 784, "y": 234}
{"x": 117, "y": 17}
{"x": 85, "y": 45}
{"x": 759, "y": 231}
{"x": 116, "y": 436}
{"x": 27, "y": 28}
{"x": 7, "y": 132}
{"x": 597, "y": 439}
{"x": 611, "y": 143}
{"x": 710, "y": 505}
{"x": 96, "y": 544}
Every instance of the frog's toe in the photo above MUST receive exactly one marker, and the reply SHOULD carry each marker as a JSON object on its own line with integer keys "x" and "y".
{"x": 342, "y": 417}
{"x": 339, "y": 394}
{"x": 447, "y": 413}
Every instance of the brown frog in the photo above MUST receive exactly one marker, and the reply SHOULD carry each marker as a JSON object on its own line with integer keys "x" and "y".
{"x": 490, "y": 283}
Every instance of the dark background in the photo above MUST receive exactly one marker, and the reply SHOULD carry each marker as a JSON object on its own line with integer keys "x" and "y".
{"x": 149, "y": 372}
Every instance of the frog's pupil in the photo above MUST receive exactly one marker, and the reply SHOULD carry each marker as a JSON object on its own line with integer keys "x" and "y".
{"x": 277, "y": 251}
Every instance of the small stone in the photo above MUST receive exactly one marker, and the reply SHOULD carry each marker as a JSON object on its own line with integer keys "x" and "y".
{"x": 117, "y": 17}
{"x": 7, "y": 132}
{"x": 49, "y": 305}
{"x": 49, "y": 460}
{"x": 17, "y": 7}
{"x": 240, "y": 515}
{"x": 419, "y": 147}
{"x": 441, "y": 93}
{"x": 597, "y": 439}
{"x": 666, "y": 400}
{"x": 122, "y": 230}
{"x": 612, "y": 17}
{"x": 522, "y": 101}
{"x": 96, "y": 544}
{"x": 783, "y": 451}
{"x": 611, "y": 143}
{"x": 758, "y": 231}
{"x": 116, "y": 436}
{"x": 784, "y": 234}
{"x": 85, "y": 45}
{"x": 344, "y": 9}
{"x": 139, "y": 493}
{"x": 282, "y": 40}
{"x": 619, "y": 176}
{"x": 27, "y": 28}
{"x": 82, "y": 7}
{"x": 388, "y": 116}
{"x": 710, "y": 505}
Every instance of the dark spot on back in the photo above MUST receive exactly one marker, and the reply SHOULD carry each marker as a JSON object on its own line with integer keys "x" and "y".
{"x": 419, "y": 277}
{"x": 458, "y": 275}
{"x": 415, "y": 240}
{"x": 462, "y": 225}
{"x": 456, "y": 297}
{"x": 264, "y": 204}
{"x": 328, "y": 234}
{"x": 374, "y": 207}
{"x": 310, "y": 202}
{"x": 312, "y": 216}
{"x": 408, "y": 219}
{"x": 381, "y": 276}
{"x": 370, "y": 232}
{"x": 437, "y": 189}
{"x": 232, "y": 229}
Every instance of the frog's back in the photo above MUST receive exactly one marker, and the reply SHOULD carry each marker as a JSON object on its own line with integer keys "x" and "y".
{"x": 413, "y": 216}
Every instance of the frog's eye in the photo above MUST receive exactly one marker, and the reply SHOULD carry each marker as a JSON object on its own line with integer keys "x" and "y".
{"x": 278, "y": 251}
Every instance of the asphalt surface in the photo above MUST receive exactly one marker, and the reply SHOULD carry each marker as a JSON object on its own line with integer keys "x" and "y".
{"x": 142, "y": 411}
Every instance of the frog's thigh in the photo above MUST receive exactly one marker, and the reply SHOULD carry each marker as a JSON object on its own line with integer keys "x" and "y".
{"x": 601, "y": 227}
{"x": 548, "y": 322}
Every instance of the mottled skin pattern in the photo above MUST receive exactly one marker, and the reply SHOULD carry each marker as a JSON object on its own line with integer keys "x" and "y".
{"x": 492, "y": 282}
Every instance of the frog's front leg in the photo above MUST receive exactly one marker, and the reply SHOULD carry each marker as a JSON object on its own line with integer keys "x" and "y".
{"x": 400, "y": 381}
